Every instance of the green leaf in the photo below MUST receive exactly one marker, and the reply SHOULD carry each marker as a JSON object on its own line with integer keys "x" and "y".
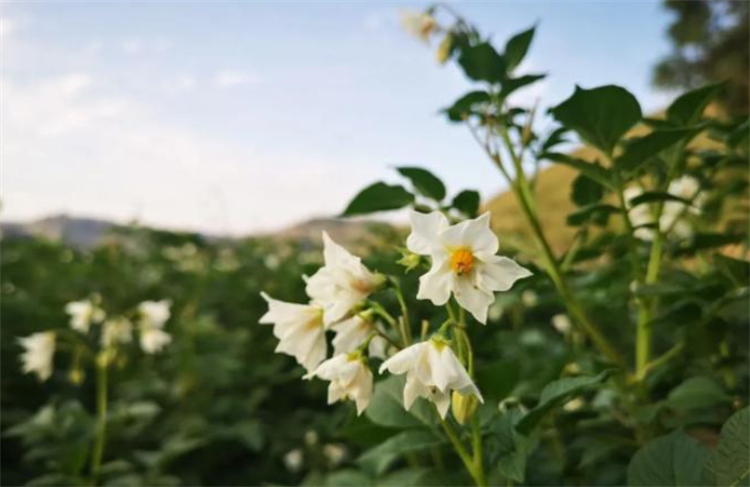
{"x": 517, "y": 47}
{"x": 656, "y": 196}
{"x": 379, "y": 197}
{"x": 467, "y": 202}
{"x": 556, "y": 137}
{"x": 600, "y": 116}
{"x": 674, "y": 459}
{"x": 555, "y": 394}
{"x": 600, "y": 174}
{"x": 469, "y": 104}
{"x": 348, "y": 478}
{"x": 736, "y": 270}
{"x": 387, "y": 408}
{"x": 424, "y": 181}
{"x": 640, "y": 150}
{"x": 597, "y": 213}
{"x": 378, "y": 459}
{"x": 482, "y": 63}
{"x": 706, "y": 240}
{"x": 508, "y": 450}
{"x": 512, "y": 84}
{"x": 687, "y": 109}
{"x": 697, "y": 392}
{"x": 729, "y": 463}
{"x": 586, "y": 191}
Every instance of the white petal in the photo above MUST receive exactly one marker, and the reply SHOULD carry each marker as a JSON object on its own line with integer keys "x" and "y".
{"x": 472, "y": 299}
{"x": 425, "y": 229}
{"x": 442, "y": 370}
{"x": 350, "y": 334}
{"x": 404, "y": 360}
{"x": 436, "y": 284}
{"x": 412, "y": 390}
{"x": 474, "y": 234}
{"x": 443, "y": 402}
{"x": 500, "y": 273}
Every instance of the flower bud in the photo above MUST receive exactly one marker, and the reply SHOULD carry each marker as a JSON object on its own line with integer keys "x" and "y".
{"x": 410, "y": 260}
{"x": 463, "y": 407}
{"x": 76, "y": 376}
{"x": 445, "y": 49}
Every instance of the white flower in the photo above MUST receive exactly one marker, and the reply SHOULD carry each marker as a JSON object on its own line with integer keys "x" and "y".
{"x": 351, "y": 333}
{"x": 117, "y": 330}
{"x": 341, "y": 283}
{"x": 433, "y": 372}
{"x": 673, "y": 212}
{"x": 293, "y": 460}
{"x": 156, "y": 313}
{"x": 529, "y": 298}
{"x": 39, "y": 350}
{"x": 350, "y": 379}
{"x": 463, "y": 262}
{"x": 82, "y": 314}
{"x": 154, "y": 339}
{"x": 561, "y": 323}
{"x": 334, "y": 453}
{"x": 299, "y": 328}
{"x": 418, "y": 24}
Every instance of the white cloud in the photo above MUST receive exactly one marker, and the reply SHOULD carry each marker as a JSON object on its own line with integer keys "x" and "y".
{"x": 231, "y": 78}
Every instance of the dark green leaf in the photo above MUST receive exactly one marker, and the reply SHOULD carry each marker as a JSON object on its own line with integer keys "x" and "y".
{"x": 703, "y": 241}
{"x": 379, "y": 197}
{"x": 672, "y": 460}
{"x": 469, "y": 104}
{"x": 497, "y": 380}
{"x": 387, "y": 408}
{"x": 556, "y": 137}
{"x": 735, "y": 269}
{"x": 555, "y": 394}
{"x": 467, "y": 202}
{"x": 696, "y": 393}
{"x": 656, "y": 196}
{"x": 729, "y": 464}
{"x": 512, "y": 84}
{"x": 600, "y": 116}
{"x": 600, "y": 174}
{"x": 517, "y": 47}
{"x": 642, "y": 149}
{"x": 598, "y": 213}
{"x": 687, "y": 109}
{"x": 586, "y": 191}
{"x": 424, "y": 182}
{"x": 482, "y": 63}
{"x": 378, "y": 459}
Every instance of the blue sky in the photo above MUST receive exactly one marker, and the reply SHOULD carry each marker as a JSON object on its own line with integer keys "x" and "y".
{"x": 245, "y": 117}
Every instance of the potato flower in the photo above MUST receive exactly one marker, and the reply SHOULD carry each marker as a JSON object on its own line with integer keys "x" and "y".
{"x": 350, "y": 378}
{"x": 153, "y": 316}
{"x": 463, "y": 262}
{"x": 342, "y": 283}
{"x": 673, "y": 212}
{"x": 300, "y": 330}
{"x": 155, "y": 312}
{"x": 418, "y": 24}
{"x": 116, "y": 330}
{"x": 83, "y": 314}
{"x": 433, "y": 372}
{"x": 351, "y": 333}
{"x": 39, "y": 349}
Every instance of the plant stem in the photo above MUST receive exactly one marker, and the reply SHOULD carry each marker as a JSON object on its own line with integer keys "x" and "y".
{"x": 404, "y": 322}
{"x": 468, "y": 461}
{"x": 476, "y": 436}
{"x": 101, "y": 421}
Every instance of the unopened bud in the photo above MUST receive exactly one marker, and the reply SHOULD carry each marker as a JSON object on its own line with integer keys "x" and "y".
{"x": 463, "y": 406}
{"x": 410, "y": 260}
{"x": 76, "y": 376}
{"x": 445, "y": 49}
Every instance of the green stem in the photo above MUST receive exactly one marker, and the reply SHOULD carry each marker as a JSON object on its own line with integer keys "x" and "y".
{"x": 476, "y": 436}
{"x": 405, "y": 323}
{"x": 468, "y": 461}
{"x": 101, "y": 421}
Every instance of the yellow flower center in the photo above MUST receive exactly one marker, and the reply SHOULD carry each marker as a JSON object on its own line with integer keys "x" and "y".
{"x": 462, "y": 261}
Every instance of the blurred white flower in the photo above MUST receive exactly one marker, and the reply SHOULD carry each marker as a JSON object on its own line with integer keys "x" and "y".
{"x": 299, "y": 328}
{"x": 39, "y": 349}
{"x": 351, "y": 333}
{"x": 433, "y": 372}
{"x": 154, "y": 339}
{"x": 341, "y": 283}
{"x": 83, "y": 313}
{"x": 156, "y": 313}
{"x": 311, "y": 437}
{"x": 573, "y": 405}
{"x": 561, "y": 323}
{"x": 418, "y": 24}
{"x": 350, "y": 378}
{"x": 673, "y": 212}
{"x": 529, "y": 298}
{"x": 293, "y": 460}
{"x": 117, "y": 330}
{"x": 639, "y": 215}
{"x": 334, "y": 453}
{"x": 463, "y": 262}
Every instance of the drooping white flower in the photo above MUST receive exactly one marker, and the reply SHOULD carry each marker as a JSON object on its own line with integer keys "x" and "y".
{"x": 341, "y": 283}
{"x": 350, "y": 378}
{"x": 39, "y": 349}
{"x": 335, "y": 453}
{"x": 418, "y": 24}
{"x": 156, "y": 313}
{"x": 463, "y": 262}
{"x": 432, "y": 371}
{"x": 352, "y": 332}
{"x": 116, "y": 330}
{"x": 561, "y": 323}
{"x": 300, "y": 330}
{"x": 83, "y": 313}
{"x": 293, "y": 460}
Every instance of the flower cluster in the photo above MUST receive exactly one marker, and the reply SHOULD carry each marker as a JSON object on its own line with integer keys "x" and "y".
{"x": 463, "y": 266}
{"x": 151, "y": 316}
